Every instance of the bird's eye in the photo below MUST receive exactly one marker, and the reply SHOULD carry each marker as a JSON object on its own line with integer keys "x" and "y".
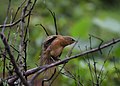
{"x": 72, "y": 39}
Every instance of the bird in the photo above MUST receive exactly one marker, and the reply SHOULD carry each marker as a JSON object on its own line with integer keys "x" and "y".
{"x": 52, "y": 50}
{"x": 53, "y": 47}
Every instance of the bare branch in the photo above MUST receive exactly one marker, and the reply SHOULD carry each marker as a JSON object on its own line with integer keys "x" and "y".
{"x": 18, "y": 10}
{"x": 41, "y": 68}
{"x": 12, "y": 59}
{"x": 17, "y": 21}
{"x": 58, "y": 74}
{"x": 43, "y": 28}
{"x": 46, "y": 80}
{"x": 98, "y": 39}
{"x": 3, "y": 28}
{"x": 53, "y": 15}
{"x": 45, "y": 67}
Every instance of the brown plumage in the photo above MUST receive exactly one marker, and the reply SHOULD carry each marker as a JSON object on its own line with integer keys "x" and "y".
{"x": 53, "y": 47}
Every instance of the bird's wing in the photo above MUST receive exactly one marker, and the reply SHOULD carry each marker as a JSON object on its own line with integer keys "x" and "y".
{"x": 49, "y": 40}
{"x": 45, "y": 54}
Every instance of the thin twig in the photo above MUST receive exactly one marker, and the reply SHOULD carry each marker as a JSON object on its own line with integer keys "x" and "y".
{"x": 18, "y": 10}
{"x": 17, "y": 21}
{"x": 57, "y": 74}
{"x": 4, "y": 65}
{"x": 46, "y": 80}
{"x": 3, "y": 28}
{"x": 43, "y": 29}
{"x": 100, "y": 74}
{"x": 116, "y": 69}
{"x": 73, "y": 76}
{"x": 54, "y": 17}
{"x": 12, "y": 59}
{"x": 98, "y": 39}
{"x": 14, "y": 48}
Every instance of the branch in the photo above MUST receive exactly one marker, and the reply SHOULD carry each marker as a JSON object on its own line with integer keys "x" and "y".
{"x": 18, "y": 10}
{"x": 43, "y": 29}
{"x": 16, "y": 22}
{"x": 41, "y": 68}
{"x": 12, "y": 59}
{"x": 53, "y": 15}
{"x": 45, "y": 67}
{"x": 9, "y": 4}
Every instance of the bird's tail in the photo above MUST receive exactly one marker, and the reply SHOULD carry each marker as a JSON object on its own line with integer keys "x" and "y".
{"x": 46, "y": 59}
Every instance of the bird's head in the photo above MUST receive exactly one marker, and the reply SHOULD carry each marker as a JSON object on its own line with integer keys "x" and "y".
{"x": 68, "y": 40}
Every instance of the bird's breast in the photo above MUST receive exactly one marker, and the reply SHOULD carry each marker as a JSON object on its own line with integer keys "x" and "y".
{"x": 56, "y": 52}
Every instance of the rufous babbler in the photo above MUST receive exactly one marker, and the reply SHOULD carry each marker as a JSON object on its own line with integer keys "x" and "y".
{"x": 53, "y": 47}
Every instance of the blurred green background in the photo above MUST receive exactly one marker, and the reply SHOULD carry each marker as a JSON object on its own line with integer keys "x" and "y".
{"x": 76, "y": 18}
